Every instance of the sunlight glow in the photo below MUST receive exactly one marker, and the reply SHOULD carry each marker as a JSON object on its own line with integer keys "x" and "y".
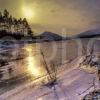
{"x": 33, "y": 67}
{"x": 28, "y": 13}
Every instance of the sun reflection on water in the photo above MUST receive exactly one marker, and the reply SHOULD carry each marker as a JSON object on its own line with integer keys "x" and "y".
{"x": 34, "y": 65}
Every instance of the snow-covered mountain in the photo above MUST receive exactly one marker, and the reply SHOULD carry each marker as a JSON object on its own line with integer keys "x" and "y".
{"x": 89, "y": 34}
{"x": 49, "y": 36}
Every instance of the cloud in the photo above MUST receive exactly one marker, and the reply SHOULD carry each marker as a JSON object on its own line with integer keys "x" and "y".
{"x": 54, "y": 15}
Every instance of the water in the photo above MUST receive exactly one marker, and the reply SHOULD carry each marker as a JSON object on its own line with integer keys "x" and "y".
{"x": 20, "y": 62}
{"x": 23, "y": 63}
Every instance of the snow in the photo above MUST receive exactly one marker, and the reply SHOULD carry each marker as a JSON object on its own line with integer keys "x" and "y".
{"x": 89, "y": 33}
{"x": 73, "y": 83}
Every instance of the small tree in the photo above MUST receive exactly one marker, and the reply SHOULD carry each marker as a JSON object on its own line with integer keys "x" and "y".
{"x": 30, "y": 32}
{"x": 6, "y": 19}
{"x": 26, "y": 27}
{"x": 20, "y": 25}
{"x": 6, "y": 14}
{"x": 15, "y": 23}
{"x": 10, "y": 23}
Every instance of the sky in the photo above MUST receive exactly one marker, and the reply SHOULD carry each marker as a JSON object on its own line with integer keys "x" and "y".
{"x": 65, "y": 17}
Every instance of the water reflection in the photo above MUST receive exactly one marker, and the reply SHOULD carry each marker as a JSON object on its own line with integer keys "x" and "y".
{"x": 22, "y": 61}
{"x": 33, "y": 62}
{"x": 20, "y": 65}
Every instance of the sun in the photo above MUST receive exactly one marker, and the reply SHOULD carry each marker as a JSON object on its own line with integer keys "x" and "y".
{"x": 28, "y": 13}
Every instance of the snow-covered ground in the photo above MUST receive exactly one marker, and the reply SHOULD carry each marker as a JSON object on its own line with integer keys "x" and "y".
{"x": 73, "y": 84}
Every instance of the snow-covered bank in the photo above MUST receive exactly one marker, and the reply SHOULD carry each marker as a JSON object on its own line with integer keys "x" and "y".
{"x": 72, "y": 83}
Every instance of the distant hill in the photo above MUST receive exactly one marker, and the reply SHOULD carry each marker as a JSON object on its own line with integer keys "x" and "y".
{"x": 89, "y": 34}
{"x": 46, "y": 36}
{"x": 49, "y": 36}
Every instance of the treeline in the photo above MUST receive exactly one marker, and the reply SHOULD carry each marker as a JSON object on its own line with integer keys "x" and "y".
{"x": 14, "y": 26}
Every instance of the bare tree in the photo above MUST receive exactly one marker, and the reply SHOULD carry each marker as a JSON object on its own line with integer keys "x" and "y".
{"x": 88, "y": 60}
{"x": 52, "y": 72}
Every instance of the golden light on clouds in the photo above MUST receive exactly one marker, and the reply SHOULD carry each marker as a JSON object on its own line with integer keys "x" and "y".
{"x": 53, "y": 15}
{"x": 28, "y": 13}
